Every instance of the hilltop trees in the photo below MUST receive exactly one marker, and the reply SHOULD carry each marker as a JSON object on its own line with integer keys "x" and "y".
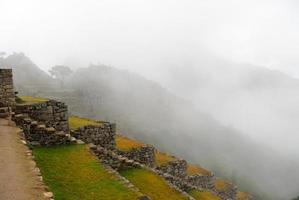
{"x": 60, "y": 72}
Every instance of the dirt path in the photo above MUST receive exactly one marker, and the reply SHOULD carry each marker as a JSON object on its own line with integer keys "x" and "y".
{"x": 18, "y": 180}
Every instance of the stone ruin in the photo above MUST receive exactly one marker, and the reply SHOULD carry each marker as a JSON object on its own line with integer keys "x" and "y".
{"x": 47, "y": 124}
{"x": 52, "y": 113}
{"x": 7, "y": 94}
{"x": 102, "y": 135}
{"x": 144, "y": 155}
{"x": 177, "y": 168}
{"x": 37, "y": 133}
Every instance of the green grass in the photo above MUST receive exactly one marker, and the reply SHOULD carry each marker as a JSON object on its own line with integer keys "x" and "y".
{"x": 76, "y": 122}
{"x": 73, "y": 173}
{"x": 195, "y": 169}
{"x": 163, "y": 158}
{"x": 151, "y": 184}
{"x": 31, "y": 100}
{"x": 203, "y": 195}
{"x": 127, "y": 144}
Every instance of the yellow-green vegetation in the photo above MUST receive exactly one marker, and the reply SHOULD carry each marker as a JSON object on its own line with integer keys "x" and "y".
{"x": 163, "y": 158}
{"x": 127, "y": 144}
{"x": 31, "y": 100}
{"x": 76, "y": 122}
{"x": 222, "y": 185}
{"x": 195, "y": 169}
{"x": 203, "y": 195}
{"x": 151, "y": 184}
{"x": 242, "y": 195}
{"x": 73, "y": 173}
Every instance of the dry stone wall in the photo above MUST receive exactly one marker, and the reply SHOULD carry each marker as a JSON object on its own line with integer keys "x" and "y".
{"x": 103, "y": 135}
{"x": 201, "y": 181}
{"x": 7, "y": 94}
{"x": 177, "y": 168}
{"x": 37, "y": 133}
{"x": 52, "y": 113}
{"x": 229, "y": 194}
{"x": 144, "y": 155}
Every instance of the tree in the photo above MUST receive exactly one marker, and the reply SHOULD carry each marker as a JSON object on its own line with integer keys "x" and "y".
{"x": 60, "y": 72}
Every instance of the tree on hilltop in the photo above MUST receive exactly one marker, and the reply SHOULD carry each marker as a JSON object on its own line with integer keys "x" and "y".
{"x": 60, "y": 72}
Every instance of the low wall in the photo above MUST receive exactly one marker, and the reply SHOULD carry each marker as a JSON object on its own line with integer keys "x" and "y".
{"x": 201, "y": 181}
{"x": 230, "y": 192}
{"x": 103, "y": 135}
{"x": 52, "y": 113}
{"x": 177, "y": 168}
{"x": 37, "y": 133}
{"x": 111, "y": 158}
{"x": 144, "y": 155}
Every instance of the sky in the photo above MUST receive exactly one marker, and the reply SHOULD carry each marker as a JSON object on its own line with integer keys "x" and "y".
{"x": 138, "y": 34}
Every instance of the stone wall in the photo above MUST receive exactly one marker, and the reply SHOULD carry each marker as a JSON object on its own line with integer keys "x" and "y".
{"x": 7, "y": 94}
{"x": 103, "y": 135}
{"x": 144, "y": 155}
{"x": 52, "y": 113}
{"x": 177, "y": 168}
{"x": 230, "y": 192}
{"x": 201, "y": 181}
{"x": 114, "y": 160}
{"x": 37, "y": 133}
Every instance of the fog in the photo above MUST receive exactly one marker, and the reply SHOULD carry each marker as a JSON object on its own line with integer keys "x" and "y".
{"x": 235, "y": 61}
{"x": 141, "y": 34}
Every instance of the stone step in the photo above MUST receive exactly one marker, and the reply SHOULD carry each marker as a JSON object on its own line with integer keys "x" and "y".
{"x": 4, "y": 115}
{"x": 4, "y": 110}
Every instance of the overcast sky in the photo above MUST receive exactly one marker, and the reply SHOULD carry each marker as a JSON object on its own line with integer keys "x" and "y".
{"x": 139, "y": 34}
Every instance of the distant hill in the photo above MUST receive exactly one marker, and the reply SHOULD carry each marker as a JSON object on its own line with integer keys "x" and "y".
{"x": 26, "y": 73}
{"x": 145, "y": 110}
{"x": 261, "y": 102}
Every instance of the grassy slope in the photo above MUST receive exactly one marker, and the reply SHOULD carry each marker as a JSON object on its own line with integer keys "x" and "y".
{"x": 222, "y": 185}
{"x": 72, "y": 173}
{"x": 151, "y": 184}
{"x": 195, "y": 169}
{"x": 126, "y": 144}
{"x": 242, "y": 196}
{"x": 163, "y": 158}
{"x": 203, "y": 195}
{"x": 76, "y": 122}
{"x": 32, "y": 100}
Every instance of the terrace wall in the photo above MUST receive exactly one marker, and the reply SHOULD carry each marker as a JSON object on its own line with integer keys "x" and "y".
{"x": 177, "y": 168}
{"x": 144, "y": 155}
{"x": 37, "y": 133}
{"x": 103, "y": 135}
{"x": 201, "y": 181}
{"x": 52, "y": 113}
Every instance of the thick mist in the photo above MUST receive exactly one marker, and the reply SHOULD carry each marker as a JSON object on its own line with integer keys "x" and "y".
{"x": 226, "y": 70}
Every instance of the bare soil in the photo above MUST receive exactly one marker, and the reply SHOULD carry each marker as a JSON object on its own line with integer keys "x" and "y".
{"x": 18, "y": 177}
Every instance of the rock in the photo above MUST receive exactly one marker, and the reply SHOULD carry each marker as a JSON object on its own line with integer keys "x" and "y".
{"x": 48, "y": 194}
{"x": 80, "y": 142}
{"x": 144, "y": 198}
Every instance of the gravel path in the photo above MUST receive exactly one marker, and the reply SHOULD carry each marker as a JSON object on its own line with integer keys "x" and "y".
{"x": 18, "y": 179}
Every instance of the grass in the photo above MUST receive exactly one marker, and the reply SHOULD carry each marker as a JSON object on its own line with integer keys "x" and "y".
{"x": 242, "y": 195}
{"x": 76, "y": 122}
{"x": 222, "y": 185}
{"x": 73, "y": 173}
{"x": 127, "y": 144}
{"x": 203, "y": 195}
{"x": 152, "y": 185}
{"x": 195, "y": 169}
{"x": 163, "y": 158}
{"x": 31, "y": 100}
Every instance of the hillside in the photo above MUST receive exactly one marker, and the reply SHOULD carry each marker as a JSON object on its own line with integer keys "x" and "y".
{"x": 146, "y": 111}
